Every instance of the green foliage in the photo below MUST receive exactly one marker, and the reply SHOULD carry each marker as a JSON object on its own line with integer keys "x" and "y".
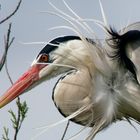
{"x": 16, "y": 120}
{"x": 22, "y": 110}
{"x": 6, "y": 133}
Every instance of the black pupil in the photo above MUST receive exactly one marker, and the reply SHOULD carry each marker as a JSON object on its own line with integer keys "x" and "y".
{"x": 44, "y": 58}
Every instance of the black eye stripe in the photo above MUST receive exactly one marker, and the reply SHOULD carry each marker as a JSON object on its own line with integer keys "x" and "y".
{"x": 49, "y": 48}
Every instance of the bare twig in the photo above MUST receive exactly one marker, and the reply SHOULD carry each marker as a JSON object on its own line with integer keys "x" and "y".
{"x": 7, "y": 72}
{"x": 8, "y": 17}
{"x": 65, "y": 131}
{"x": 7, "y": 41}
{"x": 7, "y": 44}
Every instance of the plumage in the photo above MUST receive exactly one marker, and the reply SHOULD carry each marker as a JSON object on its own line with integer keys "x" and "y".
{"x": 123, "y": 46}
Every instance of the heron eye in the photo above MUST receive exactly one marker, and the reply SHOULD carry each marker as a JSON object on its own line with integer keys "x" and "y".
{"x": 44, "y": 58}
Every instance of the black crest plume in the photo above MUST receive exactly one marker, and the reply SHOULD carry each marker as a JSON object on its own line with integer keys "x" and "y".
{"x": 119, "y": 44}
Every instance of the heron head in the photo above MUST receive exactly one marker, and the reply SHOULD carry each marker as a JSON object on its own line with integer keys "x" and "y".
{"x": 58, "y": 56}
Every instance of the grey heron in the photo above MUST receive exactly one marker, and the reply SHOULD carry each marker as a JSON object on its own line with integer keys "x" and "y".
{"x": 100, "y": 85}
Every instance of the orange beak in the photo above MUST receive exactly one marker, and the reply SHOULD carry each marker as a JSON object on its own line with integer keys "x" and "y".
{"x": 25, "y": 82}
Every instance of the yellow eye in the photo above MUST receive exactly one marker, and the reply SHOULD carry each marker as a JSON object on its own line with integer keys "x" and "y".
{"x": 44, "y": 58}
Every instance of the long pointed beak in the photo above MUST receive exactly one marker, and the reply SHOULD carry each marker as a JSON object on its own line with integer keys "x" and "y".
{"x": 25, "y": 82}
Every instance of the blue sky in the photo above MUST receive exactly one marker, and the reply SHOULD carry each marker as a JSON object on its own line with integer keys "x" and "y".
{"x": 30, "y": 25}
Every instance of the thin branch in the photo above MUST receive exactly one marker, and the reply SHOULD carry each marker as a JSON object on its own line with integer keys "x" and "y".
{"x": 8, "y": 17}
{"x": 7, "y": 44}
{"x": 65, "y": 131}
{"x": 7, "y": 40}
{"x": 18, "y": 120}
{"x": 7, "y": 72}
